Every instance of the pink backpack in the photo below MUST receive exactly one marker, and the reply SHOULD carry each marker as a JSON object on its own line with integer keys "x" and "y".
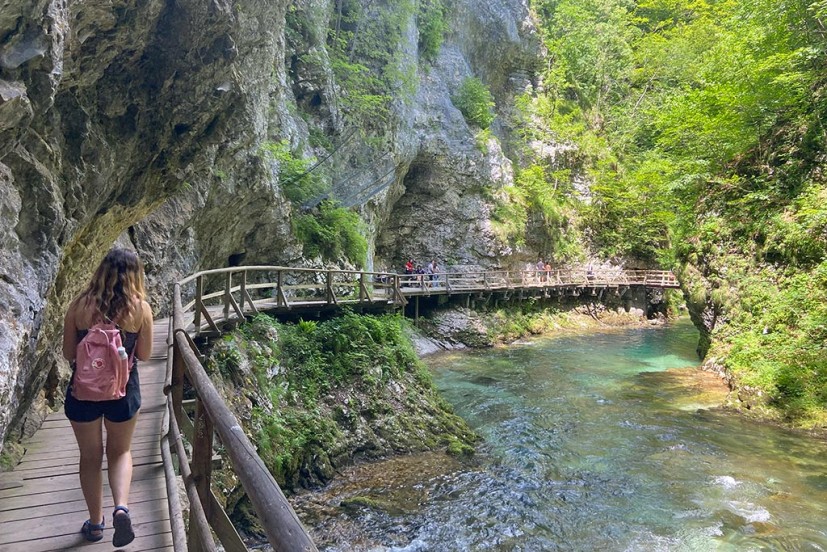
{"x": 101, "y": 365}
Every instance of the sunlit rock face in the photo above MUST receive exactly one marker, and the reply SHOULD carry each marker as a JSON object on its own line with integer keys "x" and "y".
{"x": 142, "y": 123}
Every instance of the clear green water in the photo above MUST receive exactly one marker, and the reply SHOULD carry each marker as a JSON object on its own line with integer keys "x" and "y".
{"x": 597, "y": 442}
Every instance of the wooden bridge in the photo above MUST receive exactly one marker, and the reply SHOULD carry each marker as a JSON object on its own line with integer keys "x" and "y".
{"x": 231, "y": 294}
{"x": 41, "y": 505}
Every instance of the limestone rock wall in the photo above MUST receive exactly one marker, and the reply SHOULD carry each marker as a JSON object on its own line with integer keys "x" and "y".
{"x": 141, "y": 122}
{"x": 108, "y": 110}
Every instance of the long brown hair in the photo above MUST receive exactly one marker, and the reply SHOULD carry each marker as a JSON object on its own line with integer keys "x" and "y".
{"x": 116, "y": 284}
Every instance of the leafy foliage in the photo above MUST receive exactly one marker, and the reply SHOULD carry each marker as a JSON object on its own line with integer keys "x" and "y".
{"x": 700, "y": 125}
{"x": 366, "y": 57}
{"x": 536, "y": 212}
{"x": 298, "y": 184}
{"x": 332, "y": 232}
{"x": 329, "y": 231}
{"x": 322, "y": 379}
{"x": 432, "y": 26}
{"x": 474, "y": 100}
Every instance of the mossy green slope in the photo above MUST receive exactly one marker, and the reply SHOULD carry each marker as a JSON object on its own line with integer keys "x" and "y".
{"x": 317, "y": 396}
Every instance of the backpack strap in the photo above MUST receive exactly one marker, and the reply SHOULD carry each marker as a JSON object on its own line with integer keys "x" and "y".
{"x": 114, "y": 322}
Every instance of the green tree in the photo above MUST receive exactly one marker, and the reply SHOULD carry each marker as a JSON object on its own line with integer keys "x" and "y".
{"x": 333, "y": 233}
{"x": 432, "y": 26}
{"x": 475, "y": 102}
{"x": 700, "y": 124}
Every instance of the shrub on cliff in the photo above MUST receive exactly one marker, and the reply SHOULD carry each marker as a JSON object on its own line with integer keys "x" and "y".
{"x": 431, "y": 23}
{"x": 474, "y": 100}
{"x": 333, "y": 233}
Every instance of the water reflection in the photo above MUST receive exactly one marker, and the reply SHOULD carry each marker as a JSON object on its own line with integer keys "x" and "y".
{"x": 595, "y": 442}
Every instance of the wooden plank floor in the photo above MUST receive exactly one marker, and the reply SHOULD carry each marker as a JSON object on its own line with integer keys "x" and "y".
{"x": 41, "y": 504}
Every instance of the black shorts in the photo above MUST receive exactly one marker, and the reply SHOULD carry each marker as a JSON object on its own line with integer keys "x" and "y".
{"x": 119, "y": 410}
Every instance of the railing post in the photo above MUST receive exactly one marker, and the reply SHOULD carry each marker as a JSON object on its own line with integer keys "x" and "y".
{"x": 398, "y": 296}
{"x": 177, "y": 384}
{"x": 243, "y": 289}
{"x": 199, "y": 304}
{"x": 228, "y": 285}
{"x": 329, "y": 287}
{"x": 362, "y": 287}
{"x": 202, "y": 453}
{"x": 279, "y": 288}
{"x": 447, "y": 282}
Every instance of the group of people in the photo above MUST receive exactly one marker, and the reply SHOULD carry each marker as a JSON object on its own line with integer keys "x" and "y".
{"x": 430, "y": 274}
{"x": 543, "y": 270}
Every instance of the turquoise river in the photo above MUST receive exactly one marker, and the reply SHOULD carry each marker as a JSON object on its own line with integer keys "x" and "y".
{"x": 599, "y": 441}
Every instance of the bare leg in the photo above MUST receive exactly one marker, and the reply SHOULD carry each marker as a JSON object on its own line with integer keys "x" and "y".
{"x": 119, "y": 458}
{"x": 90, "y": 443}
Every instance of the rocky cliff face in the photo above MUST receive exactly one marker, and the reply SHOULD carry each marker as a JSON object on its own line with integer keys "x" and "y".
{"x": 143, "y": 122}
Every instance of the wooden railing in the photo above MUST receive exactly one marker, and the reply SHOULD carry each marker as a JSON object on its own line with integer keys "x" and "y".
{"x": 455, "y": 282}
{"x": 233, "y": 293}
{"x": 212, "y": 417}
{"x": 245, "y": 290}
{"x": 229, "y": 294}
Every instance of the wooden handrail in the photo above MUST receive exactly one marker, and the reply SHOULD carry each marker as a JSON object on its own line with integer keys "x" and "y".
{"x": 277, "y": 518}
{"x": 169, "y": 431}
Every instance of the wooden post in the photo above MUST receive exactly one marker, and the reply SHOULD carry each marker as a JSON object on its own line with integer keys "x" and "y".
{"x": 201, "y": 463}
{"x": 282, "y": 298}
{"x": 243, "y": 289}
{"x": 329, "y": 287}
{"x": 228, "y": 284}
{"x": 362, "y": 287}
{"x": 416, "y": 310}
{"x": 177, "y": 384}
{"x": 199, "y": 292}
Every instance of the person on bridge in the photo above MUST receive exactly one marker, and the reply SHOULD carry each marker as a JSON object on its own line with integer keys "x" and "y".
{"x": 420, "y": 272}
{"x": 409, "y": 267}
{"x": 114, "y": 295}
{"x": 541, "y": 268}
{"x": 433, "y": 270}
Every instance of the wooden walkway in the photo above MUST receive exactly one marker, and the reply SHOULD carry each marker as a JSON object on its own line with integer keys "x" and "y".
{"x": 41, "y": 504}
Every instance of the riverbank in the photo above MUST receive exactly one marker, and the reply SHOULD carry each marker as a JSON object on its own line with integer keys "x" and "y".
{"x": 461, "y": 328}
{"x": 464, "y": 328}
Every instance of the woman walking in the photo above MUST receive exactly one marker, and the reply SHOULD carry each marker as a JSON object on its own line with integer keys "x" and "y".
{"x": 115, "y": 295}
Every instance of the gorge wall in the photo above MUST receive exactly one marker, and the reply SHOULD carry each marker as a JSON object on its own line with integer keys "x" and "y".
{"x": 143, "y": 123}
